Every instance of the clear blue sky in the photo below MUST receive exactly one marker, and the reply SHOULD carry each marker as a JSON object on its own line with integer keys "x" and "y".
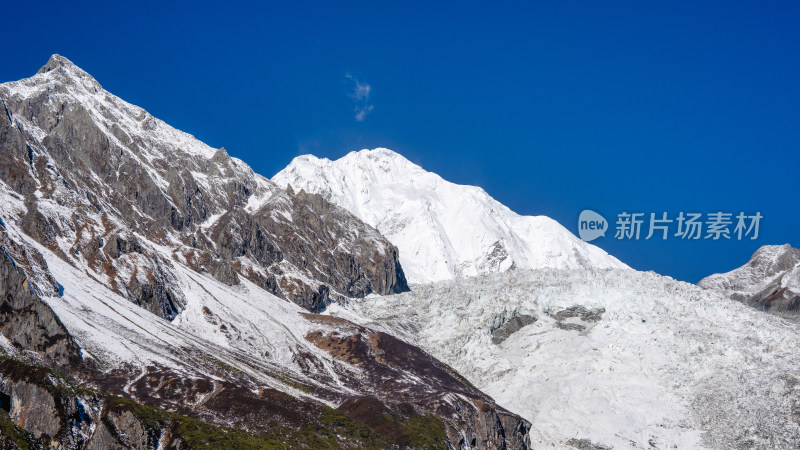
{"x": 552, "y": 107}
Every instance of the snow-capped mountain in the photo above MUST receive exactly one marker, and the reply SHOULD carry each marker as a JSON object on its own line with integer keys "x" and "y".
{"x": 176, "y": 294}
{"x": 443, "y": 230}
{"x": 98, "y": 174}
{"x": 609, "y": 358}
{"x": 141, "y": 263}
{"x": 770, "y": 281}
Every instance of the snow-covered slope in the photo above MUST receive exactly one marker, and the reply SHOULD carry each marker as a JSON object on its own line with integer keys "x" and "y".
{"x": 770, "y": 281}
{"x": 219, "y": 321}
{"x": 230, "y": 345}
{"x": 443, "y": 230}
{"x": 613, "y": 357}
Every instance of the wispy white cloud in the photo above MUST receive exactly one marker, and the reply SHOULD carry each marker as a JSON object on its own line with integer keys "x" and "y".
{"x": 360, "y": 95}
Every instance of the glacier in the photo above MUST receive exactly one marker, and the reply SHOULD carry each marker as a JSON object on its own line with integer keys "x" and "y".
{"x": 616, "y": 358}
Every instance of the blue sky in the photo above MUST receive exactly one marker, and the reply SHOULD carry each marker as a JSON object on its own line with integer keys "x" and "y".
{"x": 552, "y": 107}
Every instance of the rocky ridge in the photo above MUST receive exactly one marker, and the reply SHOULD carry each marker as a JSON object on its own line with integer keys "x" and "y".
{"x": 153, "y": 273}
{"x": 98, "y": 175}
{"x": 770, "y": 281}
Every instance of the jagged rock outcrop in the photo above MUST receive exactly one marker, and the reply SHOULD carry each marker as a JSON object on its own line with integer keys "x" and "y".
{"x": 44, "y": 407}
{"x": 510, "y": 327}
{"x": 26, "y": 321}
{"x": 100, "y": 179}
{"x": 356, "y": 268}
{"x": 770, "y": 281}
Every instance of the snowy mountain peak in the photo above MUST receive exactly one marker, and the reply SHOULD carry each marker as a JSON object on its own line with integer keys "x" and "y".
{"x": 770, "y": 281}
{"x": 62, "y": 84}
{"x": 375, "y": 165}
{"x": 379, "y": 155}
{"x": 775, "y": 258}
{"x": 66, "y": 71}
{"x": 388, "y": 163}
{"x": 443, "y": 230}
{"x": 768, "y": 262}
{"x": 57, "y": 61}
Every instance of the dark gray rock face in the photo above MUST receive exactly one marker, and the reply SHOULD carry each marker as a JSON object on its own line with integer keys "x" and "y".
{"x": 25, "y": 320}
{"x": 349, "y": 265}
{"x": 770, "y": 281}
{"x": 104, "y": 439}
{"x": 581, "y": 312}
{"x": 46, "y": 411}
{"x": 576, "y": 318}
{"x": 774, "y": 298}
{"x": 586, "y": 444}
{"x": 50, "y": 412}
{"x": 102, "y": 180}
{"x": 510, "y": 327}
{"x": 488, "y": 427}
{"x": 33, "y": 409}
